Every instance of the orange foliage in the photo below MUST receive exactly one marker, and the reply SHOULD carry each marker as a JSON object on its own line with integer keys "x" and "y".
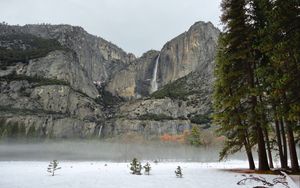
{"x": 180, "y": 138}
{"x": 220, "y": 139}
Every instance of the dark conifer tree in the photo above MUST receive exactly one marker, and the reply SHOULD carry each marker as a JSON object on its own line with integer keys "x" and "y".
{"x": 257, "y": 77}
{"x": 240, "y": 108}
{"x": 285, "y": 55}
{"x": 258, "y": 20}
{"x": 228, "y": 109}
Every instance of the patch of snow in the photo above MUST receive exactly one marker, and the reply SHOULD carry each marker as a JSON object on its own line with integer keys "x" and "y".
{"x": 24, "y": 174}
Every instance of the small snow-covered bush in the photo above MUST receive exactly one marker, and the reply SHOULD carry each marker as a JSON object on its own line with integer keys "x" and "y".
{"x": 52, "y": 167}
{"x": 147, "y": 168}
{"x": 178, "y": 172}
{"x": 135, "y": 167}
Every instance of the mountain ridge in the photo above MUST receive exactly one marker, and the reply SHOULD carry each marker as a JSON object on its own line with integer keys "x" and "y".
{"x": 70, "y": 84}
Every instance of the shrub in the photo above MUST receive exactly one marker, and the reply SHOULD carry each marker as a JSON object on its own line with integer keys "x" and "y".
{"x": 135, "y": 167}
{"x": 147, "y": 168}
{"x": 179, "y": 138}
{"x": 194, "y": 138}
{"x": 200, "y": 119}
{"x": 155, "y": 117}
{"x": 178, "y": 172}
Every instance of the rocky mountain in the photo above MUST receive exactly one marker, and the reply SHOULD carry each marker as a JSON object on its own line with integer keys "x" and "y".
{"x": 98, "y": 57}
{"x": 192, "y": 51}
{"x": 134, "y": 81}
{"x": 59, "y": 81}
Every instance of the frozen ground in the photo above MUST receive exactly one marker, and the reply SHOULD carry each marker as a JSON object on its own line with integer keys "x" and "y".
{"x": 26, "y": 174}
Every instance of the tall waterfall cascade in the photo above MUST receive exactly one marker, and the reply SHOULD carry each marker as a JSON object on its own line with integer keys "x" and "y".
{"x": 154, "y": 85}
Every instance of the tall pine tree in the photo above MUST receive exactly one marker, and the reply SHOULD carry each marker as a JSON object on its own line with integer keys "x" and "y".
{"x": 285, "y": 55}
{"x": 257, "y": 78}
{"x": 235, "y": 72}
{"x": 228, "y": 109}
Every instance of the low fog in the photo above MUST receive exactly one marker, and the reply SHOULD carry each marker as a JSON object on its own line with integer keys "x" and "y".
{"x": 108, "y": 151}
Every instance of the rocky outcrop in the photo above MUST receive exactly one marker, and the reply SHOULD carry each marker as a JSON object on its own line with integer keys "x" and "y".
{"x": 51, "y": 96}
{"x": 47, "y": 126}
{"x": 56, "y": 91}
{"x": 177, "y": 107}
{"x": 49, "y": 107}
{"x": 134, "y": 81}
{"x": 150, "y": 128}
{"x": 98, "y": 57}
{"x": 192, "y": 51}
{"x": 62, "y": 66}
{"x": 185, "y": 77}
{"x": 62, "y": 91}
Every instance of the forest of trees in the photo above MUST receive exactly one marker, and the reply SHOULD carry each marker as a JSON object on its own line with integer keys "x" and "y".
{"x": 257, "y": 86}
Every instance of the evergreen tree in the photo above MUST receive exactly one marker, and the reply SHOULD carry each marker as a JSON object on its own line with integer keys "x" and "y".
{"x": 258, "y": 17}
{"x": 228, "y": 109}
{"x": 262, "y": 17}
{"x": 52, "y": 167}
{"x": 238, "y": 97}
{"x": 135, "y": 167}
{"x": 277, "y": 41}
{"x": 195, "y": 136}
{"x": 285, "y": 55}
{"x": 147, "y": 168}
{"x": 257, "y": 78}
{"x": 234, "y": 82}
{"x": 178, "y": 172}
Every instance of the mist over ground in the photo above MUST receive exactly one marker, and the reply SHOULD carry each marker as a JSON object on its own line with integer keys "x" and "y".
{"x": 93, "y": 150}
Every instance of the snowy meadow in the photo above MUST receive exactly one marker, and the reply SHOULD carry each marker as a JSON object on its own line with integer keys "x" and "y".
{"x": 93, "y": 164}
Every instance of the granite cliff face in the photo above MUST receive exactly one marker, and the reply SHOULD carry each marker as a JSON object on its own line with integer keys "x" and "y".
{"x": 134, "y": 81}
{"x": 50, "y": 95}
{"x": 184, "y": 77}
{"x": 98, "y": 57}
{"x": 62, "y": 90}
{"x": 192, "y": 51}
{"x": 54, "y": 92}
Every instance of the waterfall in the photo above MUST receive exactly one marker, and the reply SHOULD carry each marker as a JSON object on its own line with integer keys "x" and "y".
{"x": 100, "y": 131}
{"x": 154, "y": 85}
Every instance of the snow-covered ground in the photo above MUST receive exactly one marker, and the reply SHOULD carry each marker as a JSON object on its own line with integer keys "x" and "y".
{"x": 26, "y": 174}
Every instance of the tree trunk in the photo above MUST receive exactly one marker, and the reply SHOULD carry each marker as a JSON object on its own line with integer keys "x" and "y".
{"x": 279, "y": 143}
{"x": 247, "y": 144}
{"x": 250, "y": 160}
{"x": 292, "y": 146}
{"x": 262, "y": 155}
{"x": 249, "y": 154}
{"x": 268, "y": 148}
{"x": 284, "y": 144}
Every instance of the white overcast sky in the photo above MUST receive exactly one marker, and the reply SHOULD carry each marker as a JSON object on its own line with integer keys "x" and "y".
{"x": 134, "y": 25}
